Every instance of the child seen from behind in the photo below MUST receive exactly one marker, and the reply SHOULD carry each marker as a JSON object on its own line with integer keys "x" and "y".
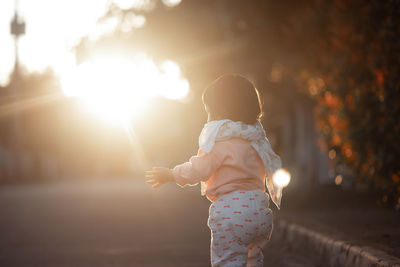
{"x": 234, "y": 165}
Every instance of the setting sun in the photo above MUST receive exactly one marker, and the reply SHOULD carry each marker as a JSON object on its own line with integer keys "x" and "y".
{"x": 117, "y": 87}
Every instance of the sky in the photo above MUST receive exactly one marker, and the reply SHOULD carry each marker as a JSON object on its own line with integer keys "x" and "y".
{"x": 53, "y": 27}
{"x": 107, "y": 83}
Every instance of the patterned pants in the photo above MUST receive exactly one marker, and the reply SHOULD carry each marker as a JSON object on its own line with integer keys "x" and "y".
{"x": 241, "y": 225}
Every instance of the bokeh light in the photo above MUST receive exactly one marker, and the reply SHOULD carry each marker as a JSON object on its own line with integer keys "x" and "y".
{"x": 332, "y": 154}
{"x": 281, "y": 178}
{"x": 171, "y": 3}
{"x": 338, "y": 179}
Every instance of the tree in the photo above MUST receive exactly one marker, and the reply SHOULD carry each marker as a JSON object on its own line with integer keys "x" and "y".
{"x": 353, "y": 76}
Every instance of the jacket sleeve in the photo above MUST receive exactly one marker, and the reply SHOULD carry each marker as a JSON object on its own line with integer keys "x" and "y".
{"x": 198, "y": 168}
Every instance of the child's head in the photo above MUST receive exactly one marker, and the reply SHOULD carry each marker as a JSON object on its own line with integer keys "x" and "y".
{"x": 233, "y": 97}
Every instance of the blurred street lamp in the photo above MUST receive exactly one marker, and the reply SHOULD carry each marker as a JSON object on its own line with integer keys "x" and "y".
{"x": 17, "y": 29}
{"x": 281, "y": 178}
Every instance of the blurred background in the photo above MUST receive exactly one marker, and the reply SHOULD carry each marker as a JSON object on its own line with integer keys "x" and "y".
{"x": 94, "y": 92}
{"x": 108, "y": 88}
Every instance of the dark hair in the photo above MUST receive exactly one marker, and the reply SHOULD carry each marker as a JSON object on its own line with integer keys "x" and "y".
{"x": 233, "y": 97}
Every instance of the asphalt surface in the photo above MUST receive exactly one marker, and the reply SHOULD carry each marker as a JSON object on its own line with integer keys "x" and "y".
{"x": 119, "y": 223}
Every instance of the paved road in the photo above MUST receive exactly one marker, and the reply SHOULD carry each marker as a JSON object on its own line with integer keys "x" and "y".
{"x": 111, "y": 224}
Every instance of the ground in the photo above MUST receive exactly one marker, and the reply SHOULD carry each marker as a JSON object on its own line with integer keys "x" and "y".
{"x": 119, "y": 223}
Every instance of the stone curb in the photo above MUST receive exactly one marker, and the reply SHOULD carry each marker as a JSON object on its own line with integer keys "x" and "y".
{"x": 333, "y": 252}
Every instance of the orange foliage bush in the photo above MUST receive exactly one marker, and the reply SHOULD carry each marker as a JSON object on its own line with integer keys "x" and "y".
{"x": 356, "y": 53}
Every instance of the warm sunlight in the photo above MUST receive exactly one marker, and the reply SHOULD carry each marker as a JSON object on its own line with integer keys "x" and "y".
{"x": 281, "y": 178}
{"x": 117, "y": 87}
{"x": 53, "y": 28}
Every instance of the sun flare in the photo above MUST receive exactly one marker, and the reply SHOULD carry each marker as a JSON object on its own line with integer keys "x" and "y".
{"x": 117, "y": 88}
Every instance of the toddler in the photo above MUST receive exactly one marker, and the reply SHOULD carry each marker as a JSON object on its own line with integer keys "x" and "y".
{"x": 234, "y": 165}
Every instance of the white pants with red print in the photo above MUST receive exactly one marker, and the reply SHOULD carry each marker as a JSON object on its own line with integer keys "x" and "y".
{"x": 241, "y": 225}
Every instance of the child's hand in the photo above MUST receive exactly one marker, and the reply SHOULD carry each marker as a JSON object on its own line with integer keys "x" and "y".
{"x": 159, "y": 176}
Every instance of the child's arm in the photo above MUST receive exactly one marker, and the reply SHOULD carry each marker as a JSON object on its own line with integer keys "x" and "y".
{"x": 198, "y": 168}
